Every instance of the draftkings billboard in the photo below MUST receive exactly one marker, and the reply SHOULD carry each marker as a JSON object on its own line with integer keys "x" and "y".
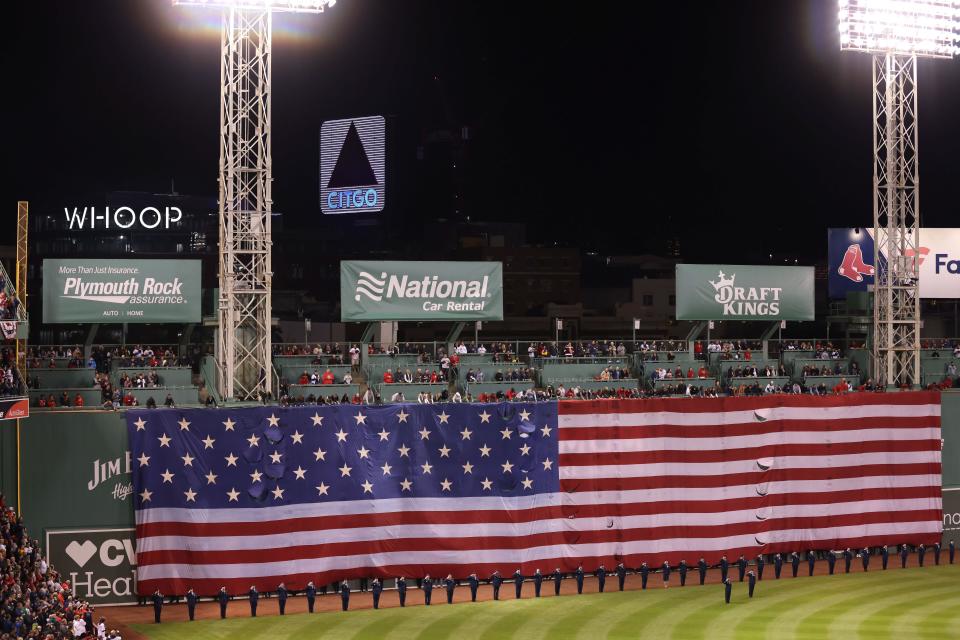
{"x": 121, "y": 291}
{"x": 423, "y": 291}
{"x": 744, "y": 292}
{"x": 851, "y": 268}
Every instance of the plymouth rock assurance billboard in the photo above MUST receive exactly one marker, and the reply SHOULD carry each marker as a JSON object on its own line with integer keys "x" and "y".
{"x": 457, "y": 291}
{"x": 121, "y": 291}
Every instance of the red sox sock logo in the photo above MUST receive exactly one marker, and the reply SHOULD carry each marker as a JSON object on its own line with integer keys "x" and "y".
{"x": 853, "y": 267}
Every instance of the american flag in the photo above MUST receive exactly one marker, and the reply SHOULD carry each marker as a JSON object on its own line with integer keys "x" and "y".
{"x": 269, "y": 494}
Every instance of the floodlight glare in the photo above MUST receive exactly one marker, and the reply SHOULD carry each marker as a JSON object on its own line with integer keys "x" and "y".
{"x": 924, "y": 28}
{"x": 297, "y": 6}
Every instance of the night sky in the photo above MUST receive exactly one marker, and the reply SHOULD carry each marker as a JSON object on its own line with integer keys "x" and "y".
{"x": 738, "y": 126}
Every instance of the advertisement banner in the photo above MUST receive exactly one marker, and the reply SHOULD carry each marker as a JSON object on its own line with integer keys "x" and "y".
{"x": 744, "y": 292}
{"x": 850, "y": 254}
{"x": 12, "y": 408}
{"x": 951, "y": 516}
{"x": 423, "y": 291}
{"x": 121, "y": 291}
{"x": 101, "y": 564}
{"x": 353, "y": 175}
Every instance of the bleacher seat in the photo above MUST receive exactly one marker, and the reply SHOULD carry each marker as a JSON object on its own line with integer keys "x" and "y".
{"x": 595, "y": 385}
{"x": 476, "y": 388}
{"x": 169, "y": 376}
{"x": 831, "y": 381}
{"x": 92, "y": 397}
{"x": 489, "y": 370}
{"x": 473, "y": 359}
{"x": 410, "y": 391}
{"x": 304, "y": 390}
{"x": 304, "y": 360}
{"x": 291, "y": 373}
{"x": 759, "y": 363}
{"x": 552, "y": 373}
{"x": 734, "y": 383}
{"x": 695, "y": 382}
{"x": 63, "y": 378}
{"x": 789, "y": 357}
{"x": 183, "y": 396}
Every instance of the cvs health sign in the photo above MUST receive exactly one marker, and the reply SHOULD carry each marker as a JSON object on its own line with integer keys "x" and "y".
{"x": 101, "y": 564}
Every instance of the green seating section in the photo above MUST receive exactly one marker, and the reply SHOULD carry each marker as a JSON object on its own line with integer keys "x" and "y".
{"x": 830, "y": 381}
{"x": 733, "y": 383}
{"x": 620, "y": 361}
{"x": 304, "y": 361}
{"x": 759, "y": 363}
{"x": 789, "y": 357}
{"x": 552, "y": 373}
{"x": 91, "y": 396}
{"x": 476, "y": 388}
{"x": 697, "y": 382}
{"x": 169, "y": 376}
{"x": 410, "y": 391}
{"x": 63, "y": 378}
{"x": 291, "y": 373}
{"x": 183, "y": 396}
{"x": 490, "y": 370}
{"x": 305, "y": 390}
{"x": 473, "y": 359}
{"x": 622, "y": 383}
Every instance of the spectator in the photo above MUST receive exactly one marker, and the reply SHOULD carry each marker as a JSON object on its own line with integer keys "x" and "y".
{"x": 328, "y": 377}
{"x": 388, "y": 376}
{"x": 169, "y": 403}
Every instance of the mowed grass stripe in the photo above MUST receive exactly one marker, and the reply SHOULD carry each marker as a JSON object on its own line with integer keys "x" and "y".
{"x": 912, "y": 619}
{"x": 874, "y": 619}
{"x": 816, "y": 620}
{"x": 881, "y": 624}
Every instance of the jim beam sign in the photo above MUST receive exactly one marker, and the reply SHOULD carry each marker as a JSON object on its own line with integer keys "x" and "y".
{"x": 744, "y": 292}
{"x": 101, "y": 564}
{"x": 121, "y": 291}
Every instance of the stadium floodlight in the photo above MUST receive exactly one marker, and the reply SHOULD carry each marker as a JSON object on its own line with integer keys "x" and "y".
{"x": 925, "y": 28}
{"x": 897, "y": 32}
{"x": 243, "y": 345}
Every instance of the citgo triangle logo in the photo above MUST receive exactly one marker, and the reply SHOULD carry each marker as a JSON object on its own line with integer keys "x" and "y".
{"x": 352, "y": 165}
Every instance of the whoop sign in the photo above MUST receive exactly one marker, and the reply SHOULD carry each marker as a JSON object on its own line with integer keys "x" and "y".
{"x": 100, "y": 563}
{"x": 121, "y": 291}
{"x": 421, "y": 290}
{"x": 744, "y": 292}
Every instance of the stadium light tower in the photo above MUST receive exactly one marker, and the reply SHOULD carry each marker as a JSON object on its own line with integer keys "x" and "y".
{"x": 897, "y": 32}
{"x": 244, "y": 312}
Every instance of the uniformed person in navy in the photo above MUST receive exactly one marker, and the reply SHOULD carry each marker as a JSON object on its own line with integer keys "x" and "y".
{"x": 157, "y": 605}
{"x": 474, "y": 585}
{"x": 702, "y": 568}
{"x": 884, "y": 556}
{"x": 751, "y": 583}
{"x": 727, "y": 590}
{"x": 665, "y": 570}
{"x": 795, "y": 562}
{"x": 579, "y": 576}
{"x": 936, "y": 554}
{"x": 427, "y": 586}
{"x": 450, "y": 585}
{"x": 344, "y": 594}
{"x": 921, "y": 551}
{"x": 760, "y": 567}
{"x": 537, "y": 582}
{"x": 402, "y": 590}
{"x": 644, "y": 574}
{"x": 191, "y": 603}
{"x": 811, "y": 560}
{"x": 517, "y": 582}
{"x": 376, "y": 588}
{"x": 847, "y": 559}
{"x": 254, "y": 599}
{"x": 742, "y": 567}
{"x": 621, "y": 575}
{"x": 777, "y": 565}
{"x": 601, "y": 577}
{"x": 311, "y": 596}
{"x": 682, "y": 570}
{"x": 952, "y": 547}
{"x": 557, "y": 579}
{"x": 496, "y": 580}
{"x": 724, "y": 567}
{"x": 282, "y": 598}
{"x": 904, "y": 554}
{"x": 224, "y": 598}
{"x": 831, "y": 561}
{"x": 865, "y": 558}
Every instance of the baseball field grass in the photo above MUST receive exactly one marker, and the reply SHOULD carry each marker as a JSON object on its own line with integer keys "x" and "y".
{"x": 900, "y": 605}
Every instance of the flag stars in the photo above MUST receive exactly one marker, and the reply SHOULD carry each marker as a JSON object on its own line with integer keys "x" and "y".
{"x": 484, "y": 417}
{"x": 145, "y": 495}
{"x": 184, "y": 425}
{"x": 384, "y": 435}
{"x": 300, "y": 472}
{"x": 363, "y": 452}
{"x": 273, "y": 420}
{"x": 506, "y": 433}
{"x": 187, "y": 460}
{"x": 361, "y": 419}
{"x": 322, "y": 489}
{"x": 444, "y": 451}
{"x": 507, "y": 467}
{"x": 427, "y": 467}
{"x": 254, "y": 440}
{"x": 524, "y": 415}
{"x": 404, "y": 451}
{"x": 297, "y": 437}
{"x": 233, "y": 495}
{"x": 386, "y": 468}
{"x": 341, "y": 435}
{"x": 485, "y": 451}
{"x": 465, "y": 434}
{"x": 144, "y": 460}
{"x": 141, "y": 423}
{"x": 191, "y": 495}
{"x": 525, "y": 450}
{"x": 402, "y": 416}
{"x": 275, "y": 457}
{"x": 527, "y": 483}
{"x": 317, "y": 419}
{"x": 256, "y": 475}
{"x": 208, "y": 442}
{"x": 278, "y": 493}
{"x": 424, "y": 433}
{"x": 167, "y": 476}
{"x": 546, "y": 431}
{"x": 547, "y": 465}
{"x": 228, "y": 424}
{"x": 487, "y": 484}
{"x": 211, "y": 477}
{"x": 445, "y": 485}
{"x": 467, "y": 468}
{"x": 367, "y": 486}
{"x": 405, "y": 485}
{"x": 231, "y": 460}
{"x": 164, "y": 440}
{"x": 443, "y": 417}
{"x": 320, "y": 454}
{"x": 345, "y": 470}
